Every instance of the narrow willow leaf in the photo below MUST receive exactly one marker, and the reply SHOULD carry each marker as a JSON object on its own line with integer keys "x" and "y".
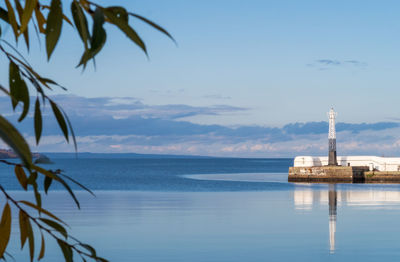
{"x": 79, "y": 184}
{"x": 42, "y": 248}
{"x": 16, "y": 141}
{"x": 26, "y": 16}
{"x": 18, "y": 89}
{"x": 80, "y": 22}
{"x": 154, "y": 25}
{"x": 99, "y": 34}
{"x": 47, "y": 183}
{"x": 56, "y": 226}
{"x": 119, "y": 17}
{"x": 58, "y": 179}
{"x": 38, "y": 121}
{"x": 14, "y": 78}
{"x": 24, "y": 97}
{"x": 21, "y": 176}
{"x": 4, "y": 15}
{"x": 23, "y": 227}
{"x": 32, "y": 178}
{"x": 53, "y": 26}
{"x": 45, "y": 172}
{"x": 64, "y": 17}
{"x": 20, "y": 11}
{"x": 12, "y": 19}
{"x": 66, "y": 250}
{"x": 5, "y": 228}
{"x": 31, "y": 240}
{"x": 42, "y": 210}
{"x": 40, "y": 19}
{"x": 67, "y": 187}
{"x": 90, "y": 249}
{"x": 38, "y": 197}
{"x": 71, "y": 130}
{"x": 60, "y": 119}
{"x": 99, "y": 37}
{"x": 19, "y": 8}
{"x": 47, "y": 80}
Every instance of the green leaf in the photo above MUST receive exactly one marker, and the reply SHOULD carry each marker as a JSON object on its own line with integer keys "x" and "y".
{"x": 154, "y": 25}
{"x": 20, "y": 11}
{"x": 39, "y": 209}
{"x": 99, "y": 34}
{"x": 41, "y": 20}
{"x": 21, "y": 176}
{"x": 26, "y": 16}
{"x": 80, "y": 22}
{"x": 16, "y": 141}
{"x": 18, "y": 90}
{"x": 24, "y": 225}
{"x": 38, "y": 197}
{"x": 66, "y": 250}
{"x": 56, "y": 226}
{"x": 38, "y": 121}
{"x": 90, "y": 249}
{"x": 67, "y": 187}
{"x": 4, "y": 15}
{"x": 31, "y": 240}
{"x": 99, "y": 37}
{"x": 41, "y": 253}
{"x": 72, "y": 131}
{"x": 60, "y": 119}
{"x": 5, "y": 229}
{"x": 47, "y": 183}
{"x": 53, "y": 26}
{"x": 32, "y": 178}
{"x": 79, "y": 184}
{"x": 12, "y": 19}
{"x": 119, "y": 17}
{"x": 14, "y": 79}
{"x": 58, "y": 179}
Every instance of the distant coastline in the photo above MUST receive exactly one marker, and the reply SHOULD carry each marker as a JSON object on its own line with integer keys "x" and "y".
{"x": 54, "y": 155}
{"x": 7, "y": 153}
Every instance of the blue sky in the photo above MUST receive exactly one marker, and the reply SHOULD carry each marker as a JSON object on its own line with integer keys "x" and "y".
{"x": 258, "y": 64}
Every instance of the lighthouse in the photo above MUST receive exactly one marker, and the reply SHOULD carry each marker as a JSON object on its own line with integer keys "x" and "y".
{"x": 332, "y": 160}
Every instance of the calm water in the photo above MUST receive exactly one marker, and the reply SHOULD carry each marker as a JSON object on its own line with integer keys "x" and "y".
{"x": 221, "y": 210}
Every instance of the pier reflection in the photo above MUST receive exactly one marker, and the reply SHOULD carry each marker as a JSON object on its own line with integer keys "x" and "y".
{"x": 308, "y": 198}
{"x": 332, "y": 216}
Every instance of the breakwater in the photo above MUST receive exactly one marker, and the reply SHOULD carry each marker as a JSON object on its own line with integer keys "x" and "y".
{"x": 341, "y": 174}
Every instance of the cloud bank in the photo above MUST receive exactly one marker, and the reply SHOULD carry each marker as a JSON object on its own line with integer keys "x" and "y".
{"x": 326, "y": 64}
{"x": 128, "y": 125}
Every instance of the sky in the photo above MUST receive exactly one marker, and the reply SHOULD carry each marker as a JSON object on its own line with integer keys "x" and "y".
{"x": 242, "y": 72}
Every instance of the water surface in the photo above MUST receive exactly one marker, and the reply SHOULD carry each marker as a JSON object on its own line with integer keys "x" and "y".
{"x": 222, "y": 210}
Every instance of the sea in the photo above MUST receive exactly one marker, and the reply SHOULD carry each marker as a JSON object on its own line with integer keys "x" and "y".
{"x": 214, "y": 209}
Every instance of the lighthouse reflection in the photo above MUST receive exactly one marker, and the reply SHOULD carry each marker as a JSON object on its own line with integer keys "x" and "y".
{"x": 306, "y": 199}
{"x": 332, "y": 216}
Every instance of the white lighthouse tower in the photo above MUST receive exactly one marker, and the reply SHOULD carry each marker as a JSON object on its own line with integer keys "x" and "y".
{"x": 332, "y": 159}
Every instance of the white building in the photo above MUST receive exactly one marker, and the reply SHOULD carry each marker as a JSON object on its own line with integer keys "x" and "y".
{"x": 373, "y": 162}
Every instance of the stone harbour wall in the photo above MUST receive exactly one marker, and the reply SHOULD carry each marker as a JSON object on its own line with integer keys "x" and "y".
{"x": 382, "y": 177}
{"x": 342, "y": 174}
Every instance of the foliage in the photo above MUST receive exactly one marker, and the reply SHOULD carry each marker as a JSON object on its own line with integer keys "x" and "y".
{"x": 47, "y": 21}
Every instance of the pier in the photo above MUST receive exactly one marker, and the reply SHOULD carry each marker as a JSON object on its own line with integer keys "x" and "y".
{"x": 344, "y": 169}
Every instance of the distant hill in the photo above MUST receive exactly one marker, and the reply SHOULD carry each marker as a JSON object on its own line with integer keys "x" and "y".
{"x": 53, "y": 155}
{"x": 7, "y": 153}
